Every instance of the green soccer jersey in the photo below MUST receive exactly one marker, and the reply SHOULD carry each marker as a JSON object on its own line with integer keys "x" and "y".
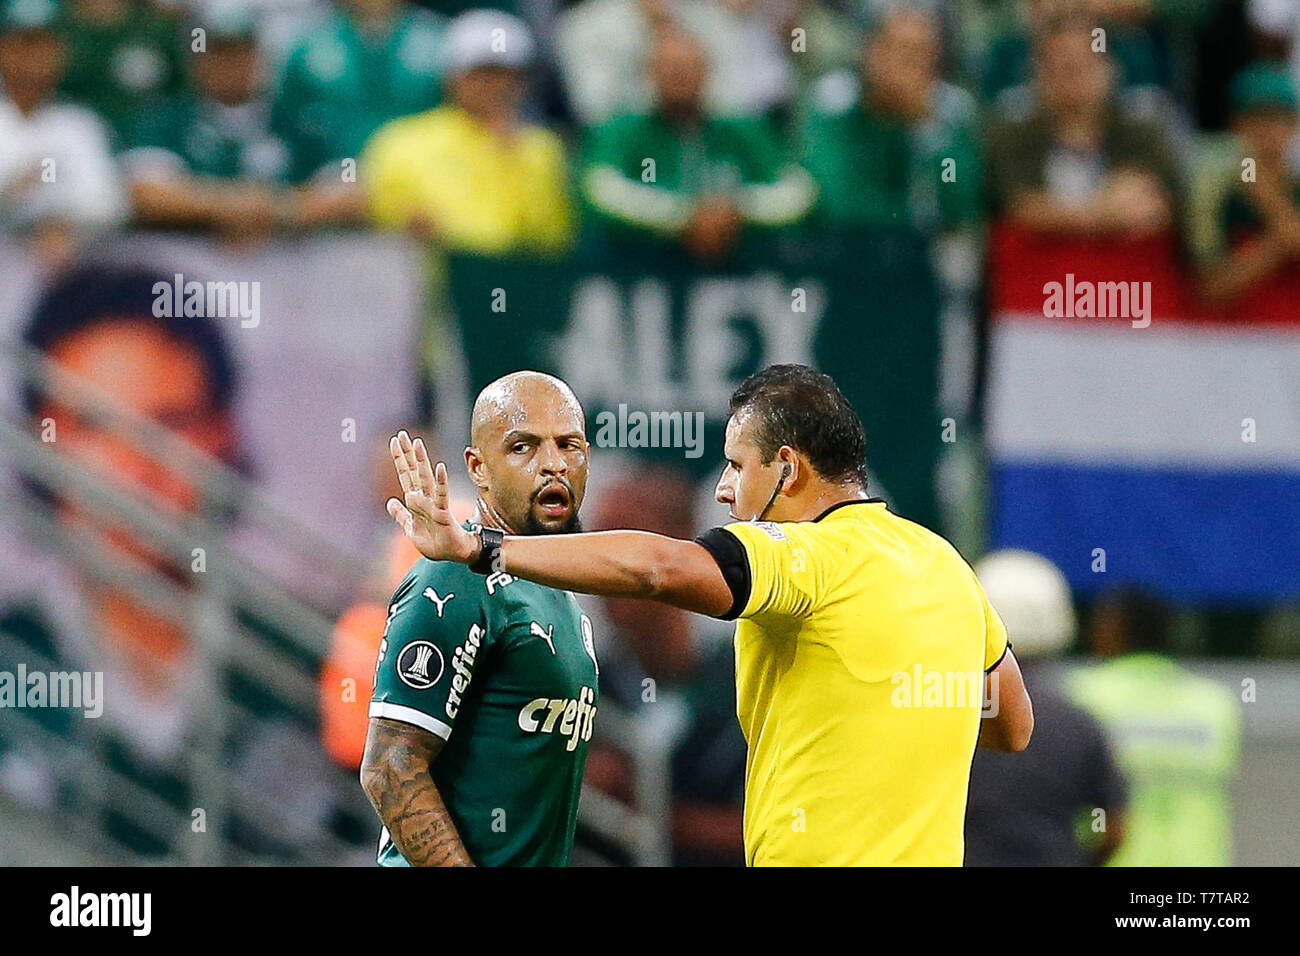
{"x": 505, "y": 672}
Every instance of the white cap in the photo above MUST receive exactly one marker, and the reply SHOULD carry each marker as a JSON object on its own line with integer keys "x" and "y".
{"x": 1032, "y": 597}
{"x": 487, "y": 38}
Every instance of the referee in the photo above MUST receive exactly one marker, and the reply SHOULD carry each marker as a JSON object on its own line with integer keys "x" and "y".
{"x": 863, "y": 640}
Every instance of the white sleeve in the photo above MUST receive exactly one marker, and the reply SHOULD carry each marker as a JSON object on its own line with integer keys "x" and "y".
{"x": 91, "y": 192}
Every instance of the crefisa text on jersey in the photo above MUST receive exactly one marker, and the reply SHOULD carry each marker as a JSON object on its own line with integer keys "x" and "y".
{"x": 78, "y": 909}
{"x": 576, "y": 717}
{"x": 462, "y": 664}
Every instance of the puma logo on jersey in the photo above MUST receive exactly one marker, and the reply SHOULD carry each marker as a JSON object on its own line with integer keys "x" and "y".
{"x": 589, "y": 643}
{"x": 547, "y": 635}
{"x": 432, "y": 595}
{"x": 574, "y": 717}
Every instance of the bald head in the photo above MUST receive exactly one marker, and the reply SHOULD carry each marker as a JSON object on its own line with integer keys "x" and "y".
{"x": 507, "y": 399}
{"x": 528, "y": 453}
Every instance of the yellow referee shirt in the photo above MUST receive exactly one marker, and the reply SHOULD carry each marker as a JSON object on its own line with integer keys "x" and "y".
{"x": 861, "y": 649}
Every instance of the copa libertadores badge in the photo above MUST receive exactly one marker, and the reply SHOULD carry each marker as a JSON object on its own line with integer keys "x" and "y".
{"x": 420, "y": 665}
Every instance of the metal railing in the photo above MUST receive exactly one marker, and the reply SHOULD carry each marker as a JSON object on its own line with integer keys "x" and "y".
{"x": 206, "y": 604}
{"x": 211, "y": 605}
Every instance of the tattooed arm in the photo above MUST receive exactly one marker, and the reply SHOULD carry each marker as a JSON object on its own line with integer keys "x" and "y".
{"x": 395, "y": 775}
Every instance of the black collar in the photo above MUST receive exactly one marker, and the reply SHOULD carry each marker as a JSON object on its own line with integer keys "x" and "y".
{"x": 845, "y": 504}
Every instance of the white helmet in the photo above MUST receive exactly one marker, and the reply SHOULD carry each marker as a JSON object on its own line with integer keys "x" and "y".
{"x": 1032, "y": 597}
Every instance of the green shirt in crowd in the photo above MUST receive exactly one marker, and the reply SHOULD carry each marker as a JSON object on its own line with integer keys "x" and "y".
{"x": 121, "y": 69}
{"x": 206, "y": 138}
{"x": 873, "y": 169}
{"x": 1176, "y": 736}
{"x": 339, "y": 85}
{"x": 647, "y": 172}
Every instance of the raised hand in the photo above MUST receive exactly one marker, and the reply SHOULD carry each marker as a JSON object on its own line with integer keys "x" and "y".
{"x": 425, "y": 514}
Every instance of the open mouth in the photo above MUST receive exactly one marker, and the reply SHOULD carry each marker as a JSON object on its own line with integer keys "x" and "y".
{"x": 554, "y": 500}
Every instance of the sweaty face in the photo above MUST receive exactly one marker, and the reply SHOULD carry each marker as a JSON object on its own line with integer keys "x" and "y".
{"x": 530, "y": 460}
{"x": 747, "y": 482}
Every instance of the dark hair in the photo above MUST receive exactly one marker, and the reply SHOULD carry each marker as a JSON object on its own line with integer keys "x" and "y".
{"x": 91, "y": 295}
{"x": 1144, "y": 619}
{"x": 797, "y": 406}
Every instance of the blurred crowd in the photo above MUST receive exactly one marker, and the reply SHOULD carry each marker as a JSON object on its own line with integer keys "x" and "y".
{"x": 542, "y": 128}
{"x": 682, "y": 121}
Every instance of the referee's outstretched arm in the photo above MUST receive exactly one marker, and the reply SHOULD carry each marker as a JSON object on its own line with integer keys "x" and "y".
{"x": 636, "y": 564}
{"x": 608, "y": 563}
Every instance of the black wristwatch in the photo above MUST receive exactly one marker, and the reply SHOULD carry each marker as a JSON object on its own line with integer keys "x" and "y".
{"x": 490, "y": 540}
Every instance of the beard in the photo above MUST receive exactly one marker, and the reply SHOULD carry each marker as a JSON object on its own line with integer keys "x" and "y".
{"x": 571, "y": 525}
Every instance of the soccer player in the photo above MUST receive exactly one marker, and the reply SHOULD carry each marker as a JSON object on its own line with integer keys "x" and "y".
{"x": 485, "y": 688}
{"x": 863, "y": 643}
